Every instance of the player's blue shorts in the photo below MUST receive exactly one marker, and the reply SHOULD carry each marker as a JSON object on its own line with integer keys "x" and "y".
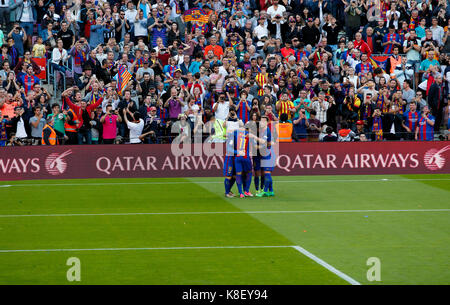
{"x": 243, "y": 164}
{"x": 256, "y": 163}
{"x": 229, "y": 168}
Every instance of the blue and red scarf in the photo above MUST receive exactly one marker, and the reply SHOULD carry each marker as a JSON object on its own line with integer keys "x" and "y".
{"x": 377, "y": 128}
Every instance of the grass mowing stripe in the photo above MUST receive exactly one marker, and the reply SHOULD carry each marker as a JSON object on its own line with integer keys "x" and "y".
{"x": 141, "y": 249}
{"x": 326, "y": 265}
{"x": 222, "y": 212}
{"x": 215, "y": 182}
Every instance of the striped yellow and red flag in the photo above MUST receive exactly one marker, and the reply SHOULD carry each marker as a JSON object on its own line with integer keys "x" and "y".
{"x": 123, "y": 76}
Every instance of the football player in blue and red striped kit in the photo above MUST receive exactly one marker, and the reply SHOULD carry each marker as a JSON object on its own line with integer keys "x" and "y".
{"x": 267, "y": 157}
{"x": 410, "y": 120}
{"x": 229, "y": 169}
{"x": 425, "y": 128}
{"x": 243, "y": 162}
{"x": 258, "y": 174}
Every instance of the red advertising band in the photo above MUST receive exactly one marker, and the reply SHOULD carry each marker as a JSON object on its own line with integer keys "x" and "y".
{"x": 140, "y": 161}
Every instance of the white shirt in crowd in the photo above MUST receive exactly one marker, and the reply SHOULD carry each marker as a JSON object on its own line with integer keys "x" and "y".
{"x": 20, "y": 132}
{"x": 140, "y": 27}
{"x": 260, "y": 32}
{"x": 272, "y": 12}
{"x": 222, "y": 110}
{"x": 27, "y": 14}
{"x": 58, "y": 55}
{"x": 135, "y": 131}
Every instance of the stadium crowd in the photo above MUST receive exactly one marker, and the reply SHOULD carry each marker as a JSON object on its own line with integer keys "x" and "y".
{"x": 138, "y": 72}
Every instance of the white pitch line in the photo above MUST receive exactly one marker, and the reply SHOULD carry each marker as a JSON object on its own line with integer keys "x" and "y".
{"x": 326, "y": 265}
{"x": 217, "y": 182}
{"x": 298, "y": 248}
{"x": 220, "y": 212}
{"x": 142, "y": 249}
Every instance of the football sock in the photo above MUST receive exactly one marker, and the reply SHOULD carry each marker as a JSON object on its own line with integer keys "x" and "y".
{"x": 227, "y": 185}
{"x": 248, "y": 181}
{"x": 232, "y": 181}
{"x": 267, "y": 181}
{"x": 256, "y": 180}
{"x": 239, "y": 183}
{"x": 262, "y": 181}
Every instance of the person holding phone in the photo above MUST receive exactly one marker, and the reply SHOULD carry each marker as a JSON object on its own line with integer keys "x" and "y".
{"x": 109, "y": 122}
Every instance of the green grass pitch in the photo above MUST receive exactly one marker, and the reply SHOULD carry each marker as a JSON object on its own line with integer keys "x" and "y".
{"x": 184, "y": 231}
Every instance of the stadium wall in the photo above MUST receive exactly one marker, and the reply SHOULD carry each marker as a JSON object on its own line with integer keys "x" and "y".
{"x": 139, "y": 161}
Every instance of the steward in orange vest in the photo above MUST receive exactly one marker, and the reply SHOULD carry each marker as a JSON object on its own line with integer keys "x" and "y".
{"x": 70, "y": 126}
{"x": 49, "y": 136}
{"x": 393, "y": 61}
{"x": 285, "y": 129}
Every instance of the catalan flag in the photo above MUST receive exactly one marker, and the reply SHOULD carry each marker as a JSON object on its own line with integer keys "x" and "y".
{"x": 122, "y": 77}
{"x": 379, "y": 62}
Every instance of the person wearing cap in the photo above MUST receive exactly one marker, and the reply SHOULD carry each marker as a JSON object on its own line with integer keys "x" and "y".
{"x": 152, "y": 127}
{"x": 360, "y": 128}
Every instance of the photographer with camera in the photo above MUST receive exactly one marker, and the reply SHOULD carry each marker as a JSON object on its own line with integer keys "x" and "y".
{"x": 352, "y": 12}
{"x": 19, "y": 36}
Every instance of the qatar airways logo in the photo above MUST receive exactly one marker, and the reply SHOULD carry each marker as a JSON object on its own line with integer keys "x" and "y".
{"x": 434, "y": 159}
{"x": 55, "y": 164}
{"x": 290, "y": 163}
